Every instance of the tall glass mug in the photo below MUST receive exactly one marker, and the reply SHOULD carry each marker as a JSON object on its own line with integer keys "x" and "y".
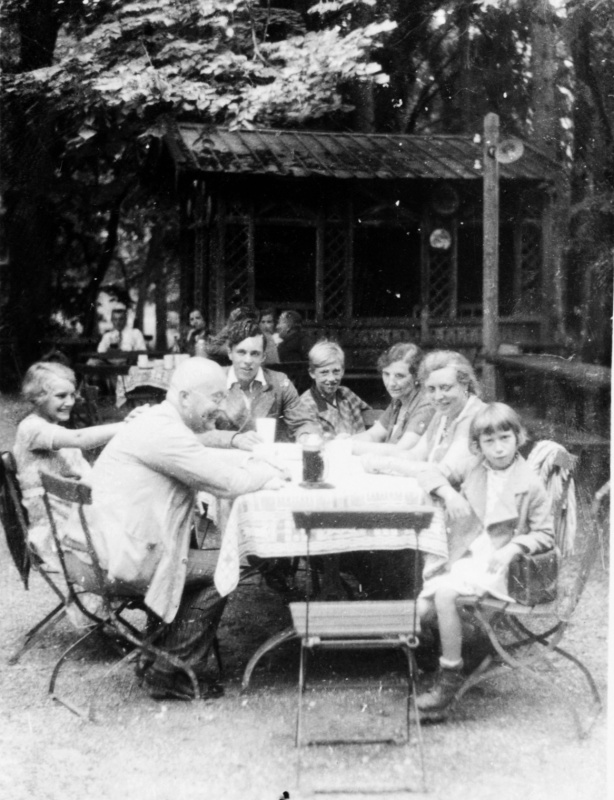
{"x": 314, "y": 463}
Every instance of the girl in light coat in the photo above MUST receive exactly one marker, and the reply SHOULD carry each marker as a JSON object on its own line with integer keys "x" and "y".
{"x": 501, "y": 511}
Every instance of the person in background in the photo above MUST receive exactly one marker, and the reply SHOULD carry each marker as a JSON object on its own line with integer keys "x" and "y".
{"x": 267, "y": 321}
{"x": 196, "y": 332}
{"x": 121, "y": 337}
{"x": 253, "y": 392}
{"x": 267, "y": 326}
{"x": 173, "y": 334}
{"x": 290, "y": 329}
{"x": 328, "y": 408}
{"x": 409, "y": 412}
{"x": 144, "y": 493}
{"x": 507, "y": 512}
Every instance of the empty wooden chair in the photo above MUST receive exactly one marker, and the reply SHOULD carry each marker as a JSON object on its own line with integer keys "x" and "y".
{"x": 359, "y": 625}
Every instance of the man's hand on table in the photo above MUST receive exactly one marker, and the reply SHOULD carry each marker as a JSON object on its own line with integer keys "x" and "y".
{"x": 246, "y": 441}
{"x": 274, "y": 484}
{"x": 261, "y": 454}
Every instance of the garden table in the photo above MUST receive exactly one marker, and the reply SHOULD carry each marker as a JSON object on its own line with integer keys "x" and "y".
{"x": 261, "y": 524}
{"x": 156, "y": 375}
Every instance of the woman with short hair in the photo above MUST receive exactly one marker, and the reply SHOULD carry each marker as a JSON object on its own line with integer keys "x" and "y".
{"x": 328, "y": 408}
{"x": 449, "y": 382}
{"x": 406, "y": 418}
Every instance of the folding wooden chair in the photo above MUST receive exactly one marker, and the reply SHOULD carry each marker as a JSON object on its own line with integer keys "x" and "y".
{"x": 116, "y": 600}
{"x": 359, "y": 625}
{"x": 525, "y": 638}
{"x": 15, "y": 524}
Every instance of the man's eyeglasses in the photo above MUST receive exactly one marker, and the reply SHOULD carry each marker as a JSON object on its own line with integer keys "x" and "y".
{"x": 217, "y": 397}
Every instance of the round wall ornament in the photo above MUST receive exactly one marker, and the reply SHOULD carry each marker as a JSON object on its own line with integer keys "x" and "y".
{"x": 440, "y": 239}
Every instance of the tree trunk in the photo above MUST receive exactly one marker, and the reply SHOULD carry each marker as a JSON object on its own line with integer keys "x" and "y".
{"x": 28, "y": 170}
{"x": 101, "y": 269}
{"x": 362, "y": 92}
{"x": 543, "y": 65}
{"x": 30, "y": 223}
{"x": 591, "y": 263}
{"x": 546, "y": 137}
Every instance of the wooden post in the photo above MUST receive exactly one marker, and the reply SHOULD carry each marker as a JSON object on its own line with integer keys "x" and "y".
{"x": 320, "y": 266}
{"x": 490, "y": 290}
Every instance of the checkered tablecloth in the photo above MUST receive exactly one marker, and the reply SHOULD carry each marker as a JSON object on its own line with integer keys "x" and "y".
{"x": 261, "y": 523}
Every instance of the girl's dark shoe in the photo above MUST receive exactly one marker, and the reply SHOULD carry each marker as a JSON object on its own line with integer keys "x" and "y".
{"x": 442, "y": 693}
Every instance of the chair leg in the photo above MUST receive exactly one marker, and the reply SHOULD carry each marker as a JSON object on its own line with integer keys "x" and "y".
{"x": 528, "y": 667}
{"x": 29, "y": 638}
{"x": 302, "y": 679}
{"x": 279, "y": 638}
{"x": 597, "y": 701}
{"x": 79, "y": 711}
{"x": 126, "y": 658}
{"x": 298, "y": 739}
{"x": 412, "y": 671}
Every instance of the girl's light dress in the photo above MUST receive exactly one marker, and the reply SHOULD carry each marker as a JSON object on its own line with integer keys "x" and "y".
{"x": 470, "y": 574}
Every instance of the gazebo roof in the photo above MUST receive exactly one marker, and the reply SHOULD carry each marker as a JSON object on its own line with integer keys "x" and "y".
{"x": 302, "y": 154}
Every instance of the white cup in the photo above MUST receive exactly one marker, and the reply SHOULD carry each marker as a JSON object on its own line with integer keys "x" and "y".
{"x": 265, "y": 428}
{"x": 169, "y": 362}
{"x": 142, "y": 360}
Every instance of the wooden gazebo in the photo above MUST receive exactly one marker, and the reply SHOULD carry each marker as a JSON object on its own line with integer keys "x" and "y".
{"x": 372, "y": 237}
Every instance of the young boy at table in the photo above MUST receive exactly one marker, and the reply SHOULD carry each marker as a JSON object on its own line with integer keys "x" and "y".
{"x": 499, "y": 510}
{"x": 328, "y": 408}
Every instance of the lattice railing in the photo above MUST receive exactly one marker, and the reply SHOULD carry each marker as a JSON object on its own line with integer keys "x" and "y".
{"x": 530, "y": 266}
{"x": 236, "y": 264}
{"x": 335, "y": 274}
{"x": 440, "y": 283}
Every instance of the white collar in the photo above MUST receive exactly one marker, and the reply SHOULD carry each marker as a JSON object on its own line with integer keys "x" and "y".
{"x": 231, "y": 378}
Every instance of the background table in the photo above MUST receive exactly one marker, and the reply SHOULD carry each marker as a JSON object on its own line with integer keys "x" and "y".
{"x": 156, "y": 376}
{"x": 261, "y": 523}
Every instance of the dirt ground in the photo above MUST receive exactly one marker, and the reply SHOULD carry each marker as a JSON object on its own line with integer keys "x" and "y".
{"x": 508, "y": 740}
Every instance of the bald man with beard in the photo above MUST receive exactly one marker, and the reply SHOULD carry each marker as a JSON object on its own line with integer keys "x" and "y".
{"x": 144, "y": 490}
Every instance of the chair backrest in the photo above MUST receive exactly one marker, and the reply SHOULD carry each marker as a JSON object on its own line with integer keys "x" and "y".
{"x": 364, "y": 617}
{"x": 556, "y": 468}
{"x": 351, "y": 619}
{"x": 71, "y": 492}
{"x": 578, "y": 543}
{"x": 14, "y": 516}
